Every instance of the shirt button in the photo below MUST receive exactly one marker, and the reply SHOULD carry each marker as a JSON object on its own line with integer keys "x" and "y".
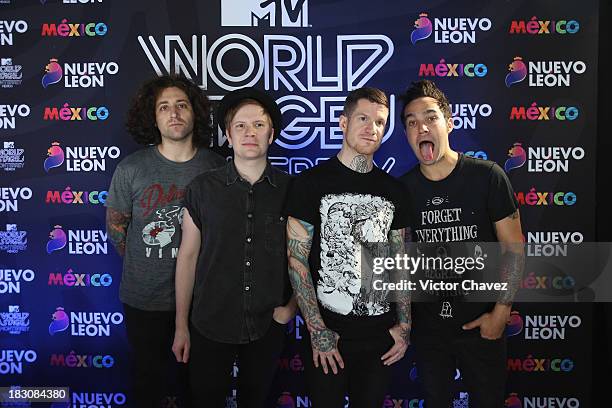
{"x": 251, "y": 191}
{"x": 282, "y": 218}
{"x": 247, "y": 288}
{"x": 249, "y": 239}
{"x": 248, "y": 263}
{"x": 249, "y": 215}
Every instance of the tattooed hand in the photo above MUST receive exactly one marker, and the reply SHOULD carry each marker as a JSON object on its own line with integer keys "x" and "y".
{"x": 325, "y": 349}
{"x": 401, "y": 336}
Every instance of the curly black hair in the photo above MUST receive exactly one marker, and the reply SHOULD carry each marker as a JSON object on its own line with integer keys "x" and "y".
{"x": 141, "y": 121}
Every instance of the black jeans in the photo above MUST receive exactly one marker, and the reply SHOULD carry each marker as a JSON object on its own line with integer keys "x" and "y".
{"x": 155, "y": 370}
{"x": 482, "y": 364}
{"x": 211, "y": 363}
{"x": 365, "y": 379}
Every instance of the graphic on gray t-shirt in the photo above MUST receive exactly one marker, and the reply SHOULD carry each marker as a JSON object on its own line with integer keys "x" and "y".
{"x": 151, "y": 188}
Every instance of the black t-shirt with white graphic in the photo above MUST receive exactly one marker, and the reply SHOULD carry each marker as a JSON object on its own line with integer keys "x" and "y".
{"x": 462, "y": 207}
{"x": 349, "y": 210}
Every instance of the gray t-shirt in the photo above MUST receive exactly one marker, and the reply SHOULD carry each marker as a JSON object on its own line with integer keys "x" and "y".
{"x": 152, "y": 188}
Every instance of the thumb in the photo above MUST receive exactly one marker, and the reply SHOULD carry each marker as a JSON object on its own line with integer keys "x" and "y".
{"x": 471, "y": 325}
{"x": 177, "y": 353}
{"x": 186, "y": 353}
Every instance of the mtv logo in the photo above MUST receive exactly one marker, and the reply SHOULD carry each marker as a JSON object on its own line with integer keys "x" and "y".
{"x": 9, "y": 145}
{"x": 13, "y": 309}
{"x": 11, "y": 227}
{"x": 6, "y": 61}
{"x": 269, "y": 13}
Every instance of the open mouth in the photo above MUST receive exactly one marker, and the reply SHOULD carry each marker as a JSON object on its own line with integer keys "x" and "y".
{"x": 426, "y": 148}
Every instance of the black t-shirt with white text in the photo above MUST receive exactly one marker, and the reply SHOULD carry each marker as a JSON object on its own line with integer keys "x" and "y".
{"x": 462, "y": 207}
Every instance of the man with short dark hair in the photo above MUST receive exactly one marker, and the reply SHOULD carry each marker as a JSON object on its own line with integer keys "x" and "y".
{"x": 170, "y": 115}
{"x": 478, "y": 195}
{"x": 338, "y": 211}
{"x": 233, "y": 261}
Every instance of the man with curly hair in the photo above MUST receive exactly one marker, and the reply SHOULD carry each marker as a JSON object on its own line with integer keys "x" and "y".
{"x": 171, "y": 116}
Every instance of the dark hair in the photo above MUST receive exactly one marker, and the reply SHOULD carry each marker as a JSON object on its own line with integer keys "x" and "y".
{"x": 374, "y": 95}
{"x": 423, "y": 89}
{"x": 141, "y": 123}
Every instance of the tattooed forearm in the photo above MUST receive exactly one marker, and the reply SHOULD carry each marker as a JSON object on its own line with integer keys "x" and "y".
{"x": 116, "y": 227}
{"x": 405, "y": 333}
{"x": 299, "y": 242}
{"x": 397, "y": 246}
{"x": 511, "y": 271}
{"x": 512, "y": 262}
{"x": 361, "y": 164}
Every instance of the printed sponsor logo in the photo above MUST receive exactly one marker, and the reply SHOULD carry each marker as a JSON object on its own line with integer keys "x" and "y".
{"x": 267, "y": 13}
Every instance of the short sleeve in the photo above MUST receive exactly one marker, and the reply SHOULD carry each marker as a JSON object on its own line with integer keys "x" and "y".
{"x": 501, "y": 200}
{"x": 192, "y": 202}
{"x": 300, "y": 202}
{"x": 402, "y": 218}
{"x": 120, "y": 191}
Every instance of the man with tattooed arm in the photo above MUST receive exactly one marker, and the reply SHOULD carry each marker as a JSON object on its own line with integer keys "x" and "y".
{"x": 337, "y": 210}
{"x": 170, "y": 116}
{"x": 459, "y": 198}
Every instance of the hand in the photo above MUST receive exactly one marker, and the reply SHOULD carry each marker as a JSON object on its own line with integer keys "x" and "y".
{"x": 493, "y": 324}
{"x": 325, "y": 349}
{"x": 401, "y": 335}
{"x": 283, "y": 314}
{"x": 181, "y": 345}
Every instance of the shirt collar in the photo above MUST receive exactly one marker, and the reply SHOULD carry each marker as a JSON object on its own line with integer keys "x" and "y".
{"x": 233, "y": 176}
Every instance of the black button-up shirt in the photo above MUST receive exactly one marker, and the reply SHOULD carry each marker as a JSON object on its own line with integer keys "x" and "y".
{"x": 241, "y": 273}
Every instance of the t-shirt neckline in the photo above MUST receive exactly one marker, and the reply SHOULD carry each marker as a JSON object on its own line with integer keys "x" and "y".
{"x": 169, "y": 162}
{"x": 450, "y": 176}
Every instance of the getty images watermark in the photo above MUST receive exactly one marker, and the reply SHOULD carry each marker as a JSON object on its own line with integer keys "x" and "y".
{"x": 484, "y": 271}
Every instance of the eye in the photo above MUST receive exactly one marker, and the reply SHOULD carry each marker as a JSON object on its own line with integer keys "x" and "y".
{"x": 362, "y": 118}
{"x": 259, "y": 125}
{"x": 380, "y": 123}
{"x": 163, "y": 108}
{"x": 182, "y": 105}
{"x": 411, "y": 123}
{"x": 239, "y": 126}
{"x": 432, "y": 118}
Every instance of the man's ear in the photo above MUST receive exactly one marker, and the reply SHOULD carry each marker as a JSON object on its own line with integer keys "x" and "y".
{"x": 343, "y": 121}
{"x": 271, "y": 138}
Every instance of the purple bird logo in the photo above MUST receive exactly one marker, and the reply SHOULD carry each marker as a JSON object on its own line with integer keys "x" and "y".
{"x": 57, "y": 239}
{"x": 518, "y": 72}
{"x": 59, "y": 321}
{"x": 422, "y": 29}
{"x": 53, "y": 73}
{"x": 55, "y": 156}
{"x": 516, "y": 157}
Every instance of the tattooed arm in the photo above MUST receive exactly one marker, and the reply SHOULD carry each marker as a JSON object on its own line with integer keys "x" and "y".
{"x": 509, "y": 234}
{"x": 324, "y": 341}
{"x": 116, "y": 228}
{"x": 401, "y": 331}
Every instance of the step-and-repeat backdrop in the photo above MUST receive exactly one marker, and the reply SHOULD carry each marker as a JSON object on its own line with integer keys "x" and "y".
{"x": 521, "y": 77}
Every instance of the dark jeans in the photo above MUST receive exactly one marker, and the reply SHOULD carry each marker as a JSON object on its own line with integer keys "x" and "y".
{"x": 211, "y": 363}
{"x": 154, "y": 367}
{"x": 365, "y": 379}
{"x": 482, "y": 364}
